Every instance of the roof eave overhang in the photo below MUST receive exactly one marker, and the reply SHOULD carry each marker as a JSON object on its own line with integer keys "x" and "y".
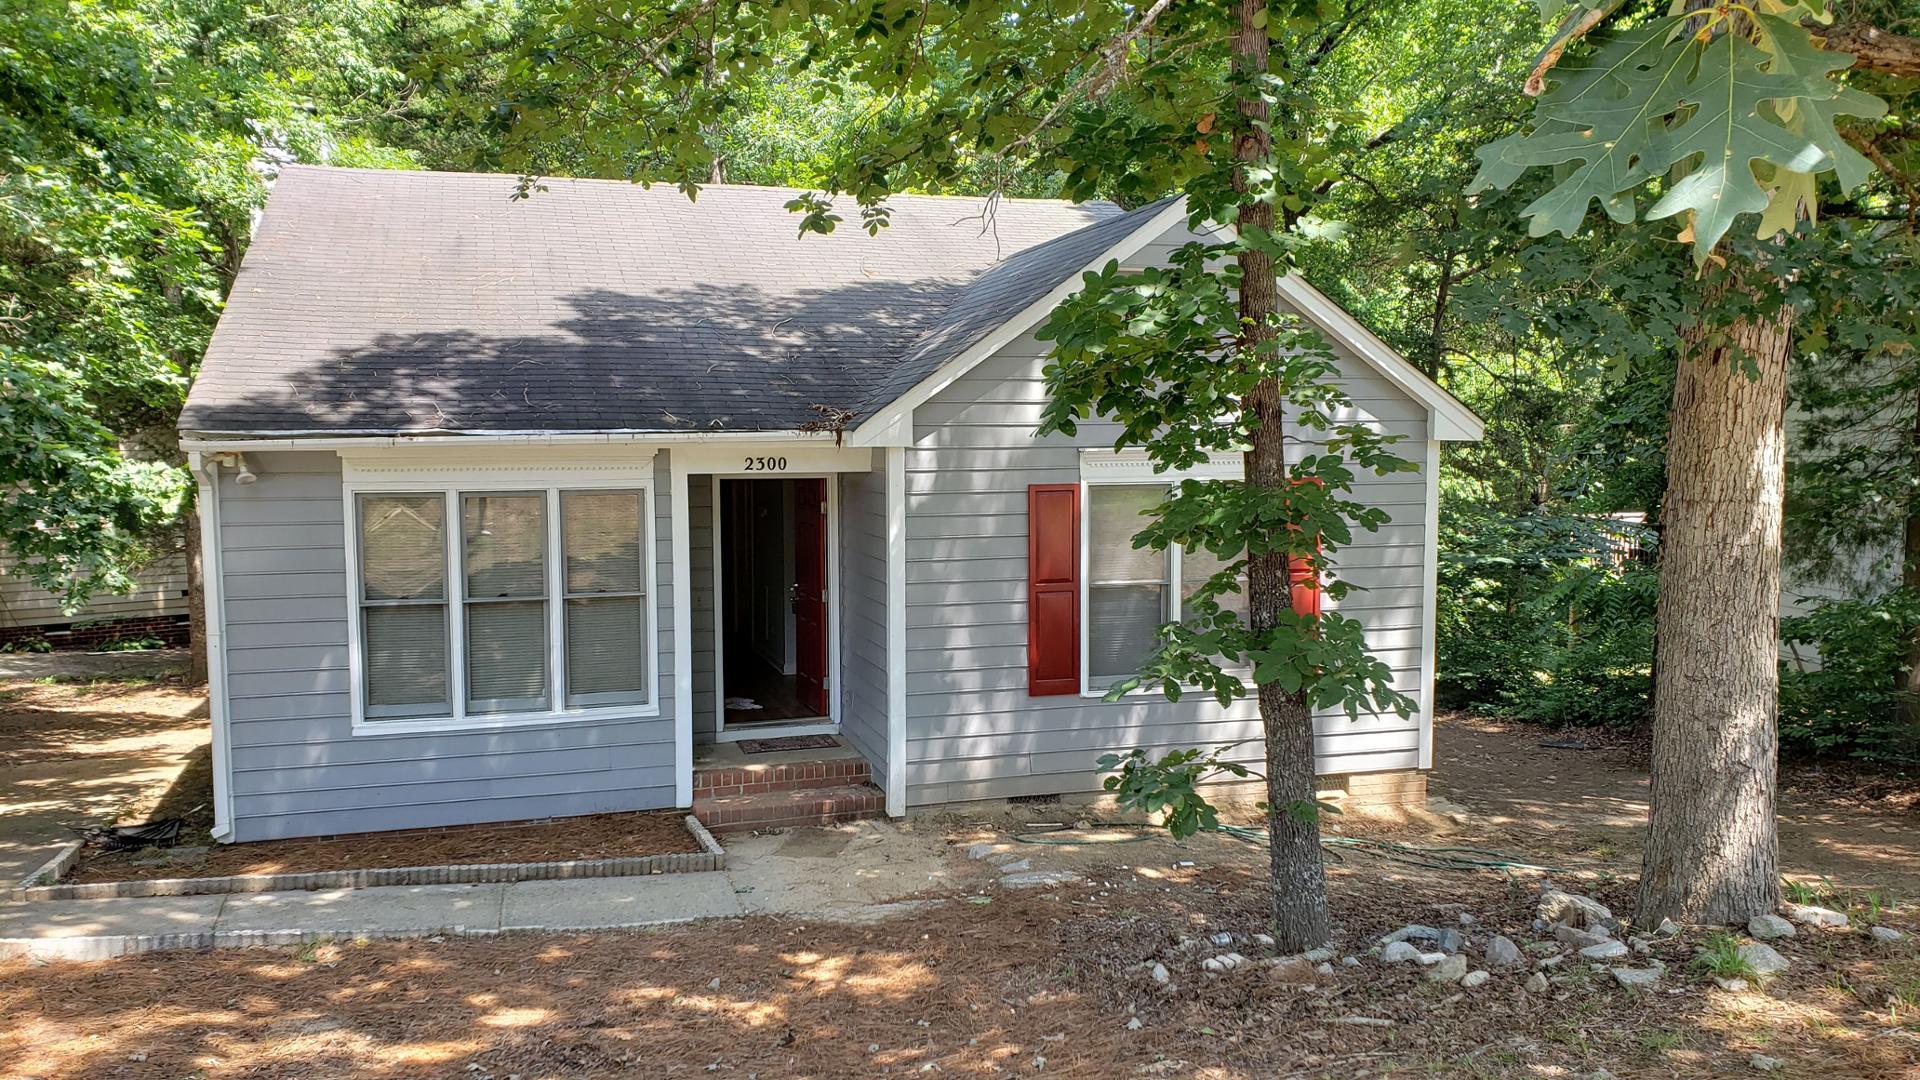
{"x": 892, "y": 423}
{"x": 225, "y": 441}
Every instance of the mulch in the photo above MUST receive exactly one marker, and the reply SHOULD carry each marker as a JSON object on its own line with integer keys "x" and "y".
{"x": 996, "y": 984}
{"x": 603, "y": 836}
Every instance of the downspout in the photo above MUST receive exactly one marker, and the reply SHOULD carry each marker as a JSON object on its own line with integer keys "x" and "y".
{"x": 206, "y": 472}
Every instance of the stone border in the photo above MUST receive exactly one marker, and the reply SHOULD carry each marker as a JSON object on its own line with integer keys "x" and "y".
{"x": 711, "y": 857}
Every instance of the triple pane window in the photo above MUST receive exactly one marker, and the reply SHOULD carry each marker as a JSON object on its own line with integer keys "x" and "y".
{"x": 548, "y": 608}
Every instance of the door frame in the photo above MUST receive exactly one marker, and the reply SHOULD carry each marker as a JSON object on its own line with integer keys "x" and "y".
{"x": 776, "y": 729}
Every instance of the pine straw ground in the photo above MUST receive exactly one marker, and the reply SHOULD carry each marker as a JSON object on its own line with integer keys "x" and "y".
{"x": 996, "y": 983}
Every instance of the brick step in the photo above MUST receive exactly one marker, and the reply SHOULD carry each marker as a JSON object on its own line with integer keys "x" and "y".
{"x": 757, "y": 779}
{"x": 790, "y": 807}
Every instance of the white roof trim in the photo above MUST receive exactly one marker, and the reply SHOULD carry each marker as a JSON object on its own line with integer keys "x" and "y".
{"x": 1452, "y": 421}
{"x": 893, "y": 424}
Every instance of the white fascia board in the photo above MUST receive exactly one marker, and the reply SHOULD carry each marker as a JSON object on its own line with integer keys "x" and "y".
{"x": 1452, "y": 421}
{"x": 269, "y": 440}
{"x": 893, "y": 424}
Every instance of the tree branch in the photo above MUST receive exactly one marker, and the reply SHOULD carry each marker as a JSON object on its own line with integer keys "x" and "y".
{"x": 1873, "y": 49}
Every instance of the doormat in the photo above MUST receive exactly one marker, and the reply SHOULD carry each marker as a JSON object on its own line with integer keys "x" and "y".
{"x": 788, "y": 742}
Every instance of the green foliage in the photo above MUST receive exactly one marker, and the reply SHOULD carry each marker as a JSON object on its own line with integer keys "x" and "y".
{"x": 1543, "y": 618}
{"x": 1839, "y": 692}
{"x": 1741, "y": 107}
{"x": 1160, "y": 352}
{"x": 1170, "y": 786}
{"x": 1720, "y": 958}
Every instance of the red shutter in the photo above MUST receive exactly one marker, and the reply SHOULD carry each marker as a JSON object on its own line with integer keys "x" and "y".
{"x": 1305, "y": 587}
{"x": 1053, "y": 589}
{"x": 1304, "y": 584}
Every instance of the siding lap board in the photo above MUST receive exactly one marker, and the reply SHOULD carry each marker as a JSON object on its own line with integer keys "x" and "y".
{"x": 297, "y": 768}
{"x": 973, "y": 732}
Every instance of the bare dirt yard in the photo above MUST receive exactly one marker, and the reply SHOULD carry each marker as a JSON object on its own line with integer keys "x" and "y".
{"x": 76, "y": 750}
{"x": 988, "y": 980}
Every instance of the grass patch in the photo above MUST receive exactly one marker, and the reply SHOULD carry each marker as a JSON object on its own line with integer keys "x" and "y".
{"x": 1720, "y": 958}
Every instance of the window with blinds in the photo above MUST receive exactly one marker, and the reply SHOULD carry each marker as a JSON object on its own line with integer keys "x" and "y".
{"x": 1130, "y": 592}
{"x": 533, "y": 603}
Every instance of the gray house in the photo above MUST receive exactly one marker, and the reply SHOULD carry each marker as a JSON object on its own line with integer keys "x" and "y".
{"x": 535, "y": 508}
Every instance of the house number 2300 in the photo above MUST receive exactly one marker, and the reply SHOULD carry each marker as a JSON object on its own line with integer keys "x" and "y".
{"x": 766, "y": 464}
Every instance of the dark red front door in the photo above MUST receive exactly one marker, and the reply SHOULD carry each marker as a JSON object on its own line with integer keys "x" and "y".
{"x": 810, "y": 592}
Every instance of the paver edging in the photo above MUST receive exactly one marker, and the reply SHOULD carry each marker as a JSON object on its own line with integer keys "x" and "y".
{"x": 50, "y": 871}
{"x": 711, "y": 857}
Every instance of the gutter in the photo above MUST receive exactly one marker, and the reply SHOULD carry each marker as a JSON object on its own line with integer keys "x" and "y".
{"x": 226, "y": 441}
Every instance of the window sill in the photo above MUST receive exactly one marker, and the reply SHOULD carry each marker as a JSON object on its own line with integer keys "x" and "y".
{"x": 502, "y": 721}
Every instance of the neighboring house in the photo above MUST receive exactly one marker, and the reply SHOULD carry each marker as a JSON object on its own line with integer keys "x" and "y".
{"x": 154, "y": 610}
{"x": 548, "y": 496}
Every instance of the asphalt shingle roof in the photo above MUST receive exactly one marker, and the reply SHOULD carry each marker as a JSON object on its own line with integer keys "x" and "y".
{"x": 374, "y": 301}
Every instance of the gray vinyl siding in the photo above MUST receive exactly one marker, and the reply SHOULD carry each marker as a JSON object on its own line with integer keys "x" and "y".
{"x": 863, "y": 614}
{"x": 297, "y": 767}
{"x": 973, "y": 731}
{"x": 700, "y": 531}
{"x": 159, "y": 589}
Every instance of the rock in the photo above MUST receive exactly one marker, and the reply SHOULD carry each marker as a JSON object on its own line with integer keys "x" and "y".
{"x": 1319, "y": 955}
{"x": 1474, "y": 978}
{"x": 1730, "y": 985}
{"x": 1263, "y": 939}
{"x": 1467, "y": 919}
{"x": 1398, "y": 952}
{"x": 1350, "y": 961}
{"x": 1017, "y": 866}
{"x": 1036, "y": 878}
{"x": 1502, "y": 952}
{"x": 1160, "y": 974}
{"x": 1537, "y": 983}
{"x": 1449, "y": 941}
{"x": 1572, "y": 909}
{"x": 1885, "y": 933}
{"x": 1667, "y": 928}
{"x": 1635, "y": 978}
{"x": 1640, "y": 945}
{"x": 1578, "y": 938}
{"x": 1223, "y": 962}
{"x": 1428, "y": 959}
{"x": 1412, "y": 932}
{"x": 1769, "y": 927}
{"x": 1763, "y": 1063}
{"x": 1763, "y": 959}
{"x": 979, "y": 851}
{"x": 1450, "y": 969}
{"x": 1294, "y": 971}
{"x": 1606, "y": 950}
{"x": 1814, "y": 915}
{"x": 1323, "y": 969}
{"x": 714, "y": 984}
{"x": 1135, "y": 1024}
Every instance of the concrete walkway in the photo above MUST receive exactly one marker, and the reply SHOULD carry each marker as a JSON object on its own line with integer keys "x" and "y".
{"x": 848, "y": 873}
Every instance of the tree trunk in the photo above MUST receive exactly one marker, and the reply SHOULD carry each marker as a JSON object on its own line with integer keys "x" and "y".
{"x": 1910, "y": 583}
{"x": 1711, "y": 854}
{"x": 196, "y": 600}
{"x": 1299, "y": 877}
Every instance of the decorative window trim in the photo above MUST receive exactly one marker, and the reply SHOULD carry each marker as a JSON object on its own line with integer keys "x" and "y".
{"x": 1132, "y": 469}
{"x": 450, "y": 480}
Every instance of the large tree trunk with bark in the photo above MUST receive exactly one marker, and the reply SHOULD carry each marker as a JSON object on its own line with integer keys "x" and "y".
{"x": 1910, "y": 582}
{"x": 196, "y": 601}
{"x": 1711, "y": 854}
{"x": 1299, "y": 876}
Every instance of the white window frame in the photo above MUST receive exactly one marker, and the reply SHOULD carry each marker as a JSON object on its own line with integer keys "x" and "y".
{"x": 391, "y": 477}
{"x": 1107, "y": 468}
